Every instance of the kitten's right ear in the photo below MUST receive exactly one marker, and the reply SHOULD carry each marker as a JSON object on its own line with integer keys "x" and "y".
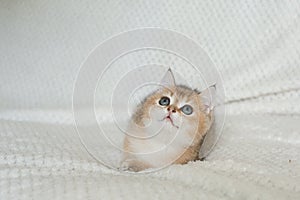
{"x": 209, "y": 97}
{"x": 168, "y": 80}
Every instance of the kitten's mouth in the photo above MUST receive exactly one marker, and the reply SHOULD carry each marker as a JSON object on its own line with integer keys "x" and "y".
{"x": 168, "y": 118}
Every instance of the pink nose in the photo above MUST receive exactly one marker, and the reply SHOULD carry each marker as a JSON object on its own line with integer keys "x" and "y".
{"x": 172, "y": 109}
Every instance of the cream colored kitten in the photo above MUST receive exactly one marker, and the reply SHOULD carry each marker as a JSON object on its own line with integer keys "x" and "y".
{"x": 168, "y": 127}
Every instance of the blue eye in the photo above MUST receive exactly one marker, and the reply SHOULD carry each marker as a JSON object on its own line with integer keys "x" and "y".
{"x": 187, "y": 109}
{"x": 164, "y": 101}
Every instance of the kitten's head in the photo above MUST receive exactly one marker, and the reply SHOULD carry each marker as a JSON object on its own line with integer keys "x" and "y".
{"x": 178, "y": 107}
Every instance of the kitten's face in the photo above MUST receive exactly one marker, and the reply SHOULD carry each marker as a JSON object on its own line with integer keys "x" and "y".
{"x": 178, "y": 108}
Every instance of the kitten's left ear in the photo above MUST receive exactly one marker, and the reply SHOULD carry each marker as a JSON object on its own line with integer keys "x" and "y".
{"x": 208, "y": 97}
{"x": 168, "y": 80}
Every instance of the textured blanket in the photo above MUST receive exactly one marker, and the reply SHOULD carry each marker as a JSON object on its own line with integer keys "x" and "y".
{"x": 256, "y": 47}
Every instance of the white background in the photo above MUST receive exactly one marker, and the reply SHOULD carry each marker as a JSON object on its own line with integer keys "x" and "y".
{"x": 255, "y": 45}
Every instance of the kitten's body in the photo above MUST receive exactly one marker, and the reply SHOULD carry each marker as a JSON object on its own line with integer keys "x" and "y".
{"x": 162, "y": 135}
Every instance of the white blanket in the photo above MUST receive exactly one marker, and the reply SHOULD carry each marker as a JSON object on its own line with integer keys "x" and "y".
{"x": 256, "y": 47}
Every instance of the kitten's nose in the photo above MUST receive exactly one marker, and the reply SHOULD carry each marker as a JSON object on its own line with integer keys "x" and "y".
{"x": 172, "y": 109}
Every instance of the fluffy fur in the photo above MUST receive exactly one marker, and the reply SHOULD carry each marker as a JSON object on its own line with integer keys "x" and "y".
{"x": 159, "y": 135}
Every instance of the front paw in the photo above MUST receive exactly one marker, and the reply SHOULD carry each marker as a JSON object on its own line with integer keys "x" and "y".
{"x": 130, "y": 165}
{"x": 125, "y": 165}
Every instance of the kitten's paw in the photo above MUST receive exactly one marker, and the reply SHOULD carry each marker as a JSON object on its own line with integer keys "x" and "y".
{"x": 130, "y": 165}
{"x": 124, "y": 166}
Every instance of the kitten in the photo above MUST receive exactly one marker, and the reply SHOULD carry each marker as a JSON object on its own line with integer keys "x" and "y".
{"x": 168, "y": 127}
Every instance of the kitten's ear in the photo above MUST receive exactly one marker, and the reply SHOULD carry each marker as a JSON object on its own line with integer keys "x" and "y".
{"x": 208, "y": 97}
{"x": 168, "y": 80}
